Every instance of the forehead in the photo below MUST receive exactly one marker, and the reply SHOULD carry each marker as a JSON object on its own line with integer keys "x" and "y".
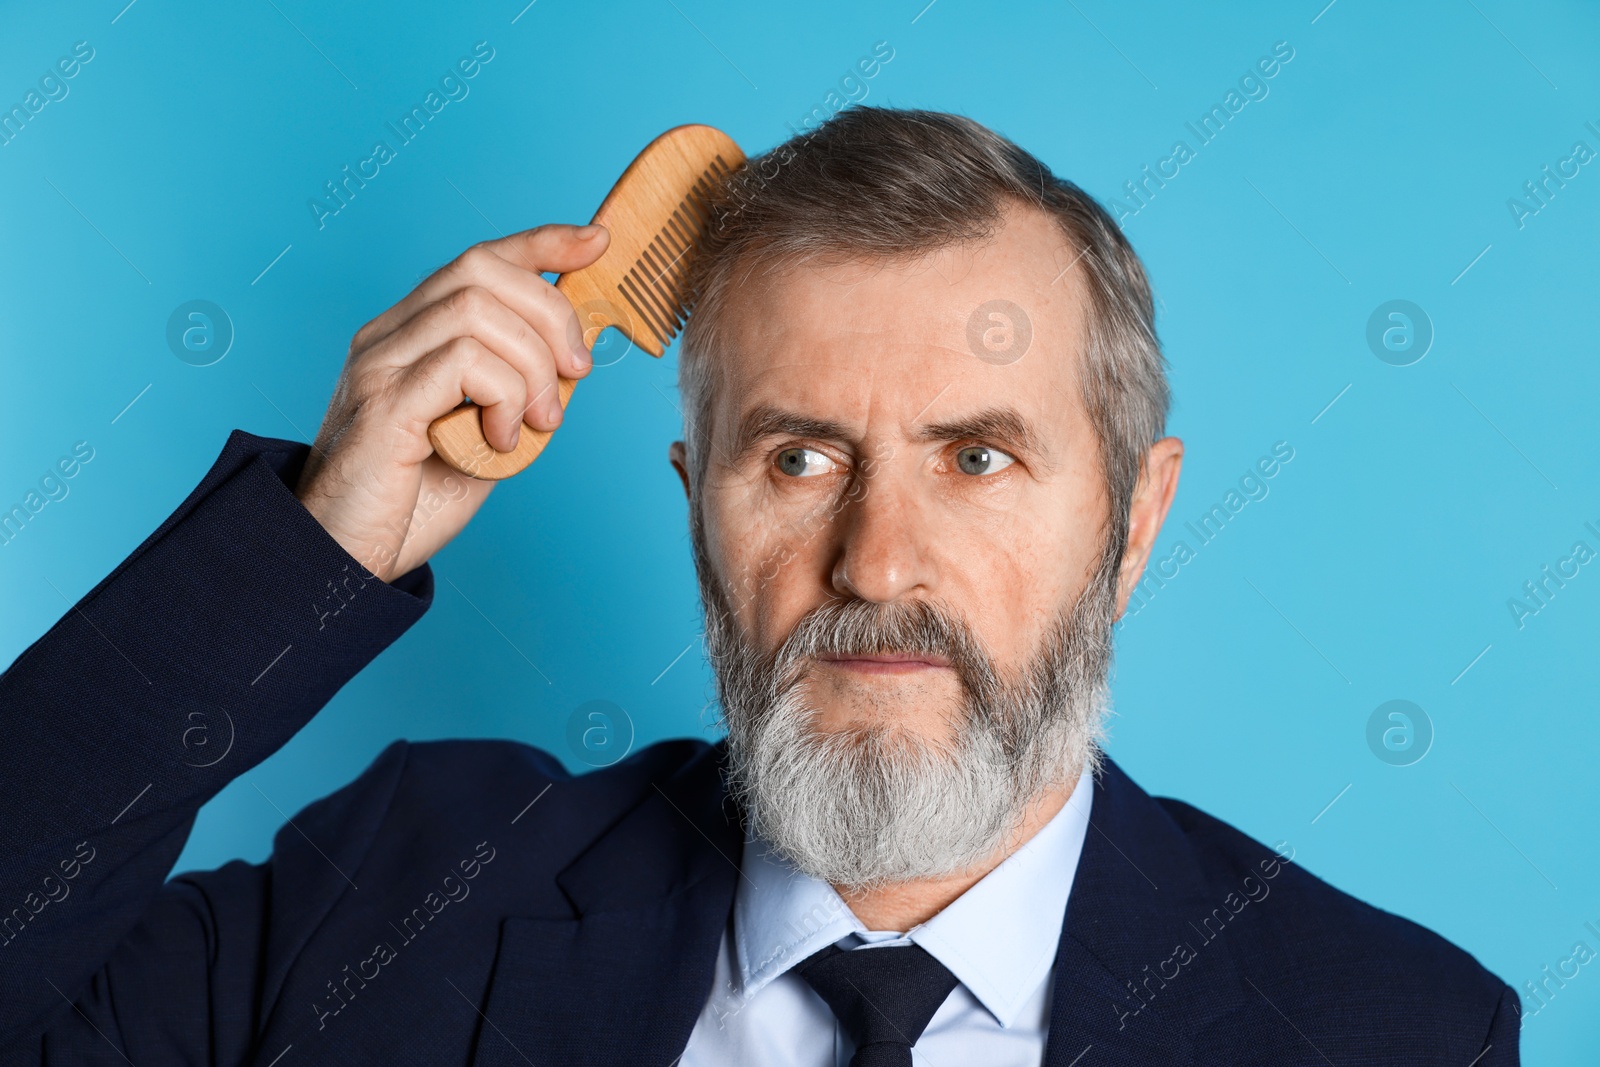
{"x": 997, "y": 323}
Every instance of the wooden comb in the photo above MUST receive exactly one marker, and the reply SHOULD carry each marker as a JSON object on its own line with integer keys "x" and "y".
{"x": 657, "y": 213}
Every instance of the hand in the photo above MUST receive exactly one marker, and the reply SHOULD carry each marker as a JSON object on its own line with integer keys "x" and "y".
{"x": 487, "y": 326}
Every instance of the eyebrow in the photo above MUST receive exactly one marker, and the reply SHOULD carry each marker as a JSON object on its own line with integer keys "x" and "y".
{"x": 768, "y": 420}
{"x": 1004, "y": 425}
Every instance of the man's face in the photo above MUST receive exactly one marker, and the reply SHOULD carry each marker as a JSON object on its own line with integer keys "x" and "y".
{"x": 862, "y": 450}
{"x": 902, "y": 544}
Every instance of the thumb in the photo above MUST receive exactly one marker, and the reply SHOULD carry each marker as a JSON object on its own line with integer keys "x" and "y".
{"x": 556, "y": 247}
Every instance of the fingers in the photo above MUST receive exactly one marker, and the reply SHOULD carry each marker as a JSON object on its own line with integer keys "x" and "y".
{"x": 460, "y": 368}
{"x": 475, "y": 312}
{"x": 541, "y": 306}
{"x": 510, "y": 267}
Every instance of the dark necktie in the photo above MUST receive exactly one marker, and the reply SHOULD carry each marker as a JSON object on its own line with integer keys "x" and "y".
{"x": 883, "y": 997}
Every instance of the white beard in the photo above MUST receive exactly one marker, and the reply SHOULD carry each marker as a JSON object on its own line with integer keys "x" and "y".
{"x": 870, "y": 806}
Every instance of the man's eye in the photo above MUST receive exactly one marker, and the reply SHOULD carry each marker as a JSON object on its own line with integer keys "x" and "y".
{"x": 980, "y": 459}
{"x": 803, "y": 462}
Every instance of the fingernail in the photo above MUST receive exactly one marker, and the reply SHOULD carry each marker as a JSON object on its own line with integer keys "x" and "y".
{"x": 585, "y": 232}
{"x": 581, "y": 357}
{"x": 553, "y": 412}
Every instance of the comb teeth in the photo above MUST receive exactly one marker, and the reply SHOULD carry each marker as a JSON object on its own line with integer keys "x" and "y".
{"x": 653, "y": 287}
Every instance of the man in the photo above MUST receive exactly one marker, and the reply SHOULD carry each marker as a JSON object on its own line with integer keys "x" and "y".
{"x": 925, "y": 467}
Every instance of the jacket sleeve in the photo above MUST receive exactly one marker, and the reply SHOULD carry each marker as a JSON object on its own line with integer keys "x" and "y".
{"x": 199, "y": 656}
{"x": 1500, "y": 1047}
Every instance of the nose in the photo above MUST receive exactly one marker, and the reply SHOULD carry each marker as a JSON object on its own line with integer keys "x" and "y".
{"x": 885, "y": 534}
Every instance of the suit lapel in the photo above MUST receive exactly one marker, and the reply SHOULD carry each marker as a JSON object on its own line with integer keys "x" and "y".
{"x": 1133, "y": 982}
{"x": 623, "y": 979}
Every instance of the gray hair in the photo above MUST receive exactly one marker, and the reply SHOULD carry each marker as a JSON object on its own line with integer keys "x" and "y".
{"x": 885, "y": 183}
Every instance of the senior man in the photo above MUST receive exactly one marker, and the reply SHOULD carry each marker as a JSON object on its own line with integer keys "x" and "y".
{"x": 925, "y": 466}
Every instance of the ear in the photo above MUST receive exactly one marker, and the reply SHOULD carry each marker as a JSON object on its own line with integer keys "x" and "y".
{"x": 678, "y": 455}
{"x": 1158, "y": 481}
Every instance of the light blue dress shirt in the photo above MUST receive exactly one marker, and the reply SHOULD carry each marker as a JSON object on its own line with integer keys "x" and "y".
{"x": 998, "y": 938}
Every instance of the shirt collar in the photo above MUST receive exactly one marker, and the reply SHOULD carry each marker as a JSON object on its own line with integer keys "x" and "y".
{"x": 998, "y": 938}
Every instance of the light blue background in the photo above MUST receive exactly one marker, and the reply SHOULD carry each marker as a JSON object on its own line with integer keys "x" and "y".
{"x": 1378, "y": 167}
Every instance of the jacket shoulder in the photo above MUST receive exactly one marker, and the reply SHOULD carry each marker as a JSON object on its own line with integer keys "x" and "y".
{"x": 507, "y": 782}
{"x": 1329, "y": 961}
{"x": 493, "y": 759}
{"x": 436, "y": 803}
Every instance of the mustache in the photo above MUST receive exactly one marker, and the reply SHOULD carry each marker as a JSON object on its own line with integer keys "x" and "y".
{"x": 852, "y": 627}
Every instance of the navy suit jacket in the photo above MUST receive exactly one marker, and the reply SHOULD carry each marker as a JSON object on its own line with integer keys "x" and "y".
{"x": 469, "y": 902}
